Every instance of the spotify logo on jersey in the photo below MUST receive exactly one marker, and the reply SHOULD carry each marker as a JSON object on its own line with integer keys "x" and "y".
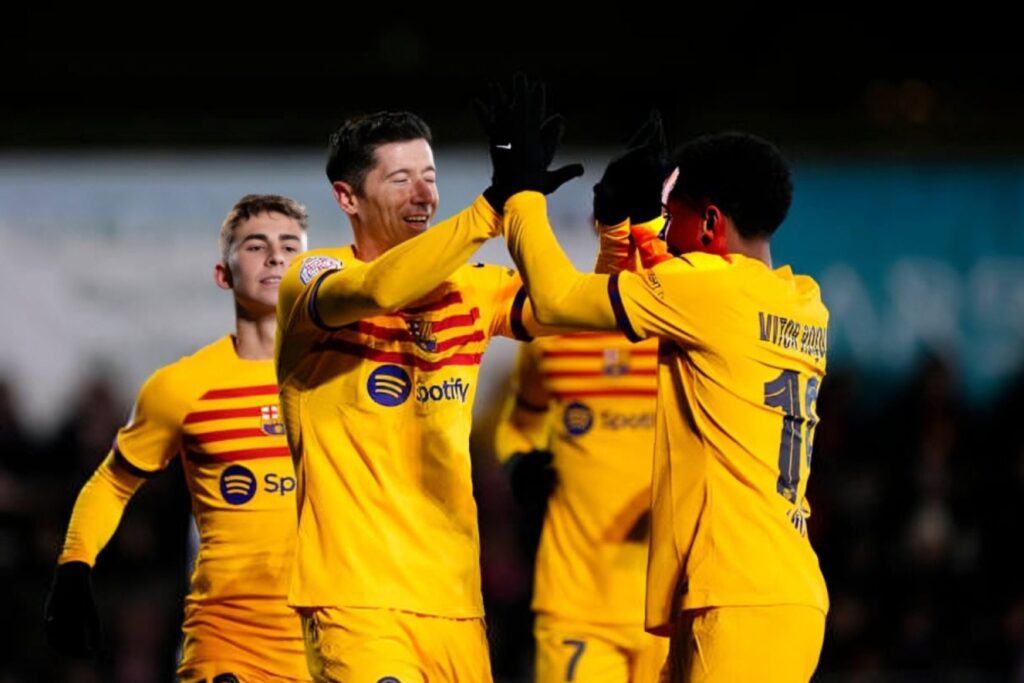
{"x": 237, "y": 484}
{"x": 578, "y": 418}
{"x": 389, "y": 385}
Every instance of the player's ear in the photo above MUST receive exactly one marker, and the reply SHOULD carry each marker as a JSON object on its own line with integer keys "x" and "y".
{"x": 712, "y": 222}
{"x": 222, "y": 276}
{"x": 346, "y": 197}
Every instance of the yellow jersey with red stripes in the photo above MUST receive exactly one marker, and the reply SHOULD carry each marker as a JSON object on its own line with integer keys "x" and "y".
{"x": 592, "y": 558}
{"x": 221, "y": 415}
{"x": 741, "y": 360}
{"x": 378, "y": 415}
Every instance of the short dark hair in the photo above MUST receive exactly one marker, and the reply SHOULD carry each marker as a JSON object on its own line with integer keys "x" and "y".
{"x": 253, "y": 205}
{"x": 743, "y": 175}
{"x": 350, "y": 152}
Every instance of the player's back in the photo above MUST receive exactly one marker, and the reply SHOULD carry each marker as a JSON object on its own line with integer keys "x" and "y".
{"x": 740, "y": 363}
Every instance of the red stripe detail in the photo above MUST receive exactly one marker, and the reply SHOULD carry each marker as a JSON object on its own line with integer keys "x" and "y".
{"x": 261, "y": 390}
{"x": 476, "y": 336}
{"x": 224, "y": 435}
{"x": 650, "y": 372}
{"x": 380, "y": 332}
{"x": 247, "y": 454}
{"x": 227, "y": 413}
{"x": 462, "y": 320}
{"x": 580, "y": 353}
{"x": 445, "y": 301}
{"x": 605, "y": 392}
{"x": 397, "y": 357}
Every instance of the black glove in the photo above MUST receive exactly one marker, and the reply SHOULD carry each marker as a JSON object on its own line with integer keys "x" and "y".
{"x": 71, "y": 622}
{"x": 631, "y": 184}
{"x": 531, "y": 478}
{"x": 523, "y": 139}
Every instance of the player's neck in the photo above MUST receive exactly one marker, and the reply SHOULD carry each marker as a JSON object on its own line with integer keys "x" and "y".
{"x": 759, "y": 249}
{"x": 254, "y": 337}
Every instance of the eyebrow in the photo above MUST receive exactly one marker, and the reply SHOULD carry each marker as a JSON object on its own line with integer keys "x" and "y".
{"x": 409, "y": 170}
{"x": 264, "y": 238}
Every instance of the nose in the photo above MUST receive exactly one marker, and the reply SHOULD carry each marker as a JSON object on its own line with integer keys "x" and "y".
{"x": 424, "y": 192}
{"x": 276, "y": 256}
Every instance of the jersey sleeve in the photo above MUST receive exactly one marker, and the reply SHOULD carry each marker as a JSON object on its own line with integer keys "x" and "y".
{"x": 152, "y": 437}
{"x": 98, "y": 510}
{"x": 679, "y": 300}
{"x": 339, "y": 294}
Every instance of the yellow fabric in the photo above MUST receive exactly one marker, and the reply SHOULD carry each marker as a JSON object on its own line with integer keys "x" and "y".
{"x": 97, "y": 512}
{"x": 220, "y": 413}
{"x": 743, "y": 354}
{"x": 357, "y": 645}
{"x": 600, "y": 392}
{"x": 379, "y": 415}
{"x": 599, "y": 653}
{"x": 616, "y": 252}
{"x": 766, "y": 644}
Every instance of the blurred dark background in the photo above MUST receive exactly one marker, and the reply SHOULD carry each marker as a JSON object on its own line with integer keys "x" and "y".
{"x": 918, "y": 487}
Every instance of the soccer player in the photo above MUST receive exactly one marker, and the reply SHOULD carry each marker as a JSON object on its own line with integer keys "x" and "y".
{"x": 732, "y": 577}
{"x": 589, "y": 399}
{"x": 379, "y": 346}
{"x": 218, "y": 411}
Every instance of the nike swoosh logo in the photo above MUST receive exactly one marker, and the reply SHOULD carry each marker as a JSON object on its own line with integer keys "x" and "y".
{"x": 508, "y": 146}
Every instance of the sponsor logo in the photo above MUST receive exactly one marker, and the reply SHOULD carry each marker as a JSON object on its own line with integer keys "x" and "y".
{"x": 389, "y": 385}
{"x": 237, "y": 484}
{"x": 281, "y": 484}
{"x": 616, "y": 421}
{"x": 578, "y": 418}
{"x": 270, "y": 421}
{"x": 448, "y": 390}
{"x": 313, "y": 265}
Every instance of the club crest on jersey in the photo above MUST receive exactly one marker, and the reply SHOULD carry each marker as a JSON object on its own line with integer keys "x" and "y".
{"x": 578, "y": 418}
{"x": 237, "y": 484}
{"x": 389, "y": 385}
{"x": 615, "y": 362}
{"x": 423, "y": 334}
{"x": 270, "y": 421}
{"x": 313, "y": 265}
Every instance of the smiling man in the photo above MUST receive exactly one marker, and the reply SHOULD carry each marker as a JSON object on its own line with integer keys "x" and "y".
{"x": 218, "y": 411}
{"x": 379, "y": 349}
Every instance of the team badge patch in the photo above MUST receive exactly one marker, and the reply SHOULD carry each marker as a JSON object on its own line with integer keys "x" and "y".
{"x": 313, "y": 265}
{"x": 270, "y": 421}
{"x": 423, "y": 333}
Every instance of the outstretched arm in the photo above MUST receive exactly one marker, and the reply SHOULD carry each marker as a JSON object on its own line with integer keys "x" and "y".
{"x": 561, "y": 295}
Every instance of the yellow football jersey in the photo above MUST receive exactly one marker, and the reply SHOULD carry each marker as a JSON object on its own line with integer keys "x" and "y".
{"x": 601, "y": 391}
{"x": 378, "y": 415}
{"x": 740, "y": 364}
{"x": 220, "y": 413}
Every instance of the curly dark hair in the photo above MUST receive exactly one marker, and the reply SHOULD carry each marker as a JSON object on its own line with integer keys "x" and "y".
{"x": 743, "y": 175}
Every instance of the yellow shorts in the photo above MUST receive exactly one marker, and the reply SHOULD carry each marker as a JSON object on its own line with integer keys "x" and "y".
{"x": 251, "y": 642}
{"x": 603, "y": 653}
{"x": 364, "y": 645}
{"x": 767, "y": 644}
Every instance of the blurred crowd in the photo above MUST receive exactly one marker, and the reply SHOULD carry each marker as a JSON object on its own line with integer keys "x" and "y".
{"x": 916, "y": 496}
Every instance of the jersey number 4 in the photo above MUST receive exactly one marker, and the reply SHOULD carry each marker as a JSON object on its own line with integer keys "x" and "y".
{"x": 798, "y": 422}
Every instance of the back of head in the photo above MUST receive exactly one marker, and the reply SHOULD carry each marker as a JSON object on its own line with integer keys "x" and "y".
{"x": 350, "y": 153}
{"x": 745, "y": 176}
{"x": 253, "y": 205}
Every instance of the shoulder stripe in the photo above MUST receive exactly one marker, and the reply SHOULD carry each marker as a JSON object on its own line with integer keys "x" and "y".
{"x": 620, "y": 312}
{"x": 516, "y": 316}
